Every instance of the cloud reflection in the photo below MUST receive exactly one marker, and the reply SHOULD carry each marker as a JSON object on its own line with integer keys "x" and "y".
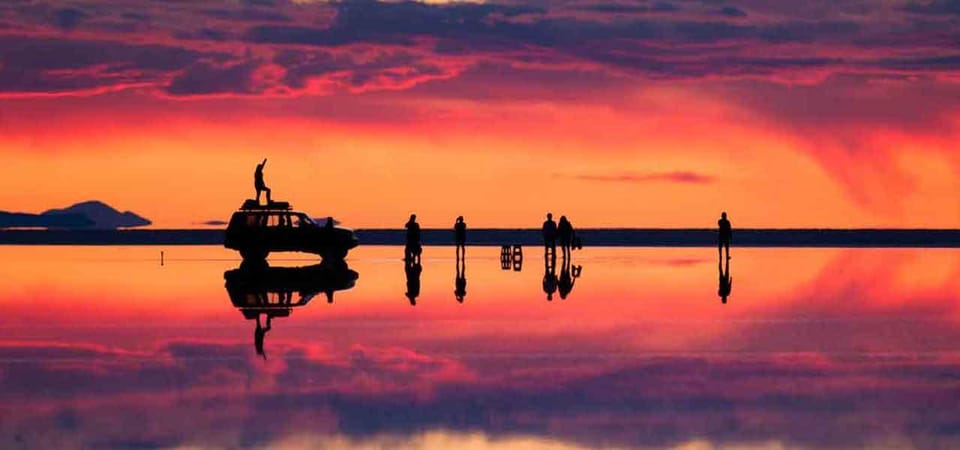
{"x": 801, "y": 400}
{"x": 644, "y": 358}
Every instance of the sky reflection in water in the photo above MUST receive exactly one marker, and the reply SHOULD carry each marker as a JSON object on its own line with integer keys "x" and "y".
{"x": 815, "y": 348}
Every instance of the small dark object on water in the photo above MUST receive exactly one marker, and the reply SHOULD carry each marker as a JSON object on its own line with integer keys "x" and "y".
{"x": 517, "y": 257}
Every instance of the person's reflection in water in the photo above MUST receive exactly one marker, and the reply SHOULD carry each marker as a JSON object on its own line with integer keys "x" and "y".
{"x": 460, "y": 285}
{"x": 413, "y": 269}
{"x": 549, "y": 275}
{"x": 725, "y": 281}
{"x": 568, "y": 276}
{"x": 263, "y": 293}
{"x": 259, "y": 333}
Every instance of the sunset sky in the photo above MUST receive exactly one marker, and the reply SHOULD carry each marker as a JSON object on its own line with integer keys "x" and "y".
{"x": 838, "y": 113}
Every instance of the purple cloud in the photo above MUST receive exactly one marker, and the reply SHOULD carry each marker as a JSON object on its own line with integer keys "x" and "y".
{"x": 648, "y": 40}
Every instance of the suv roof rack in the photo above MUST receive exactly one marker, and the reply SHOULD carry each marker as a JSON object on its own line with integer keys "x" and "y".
{"x": 253, "y": 205}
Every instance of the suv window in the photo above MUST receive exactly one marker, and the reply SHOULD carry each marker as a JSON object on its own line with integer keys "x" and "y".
{"x": 300, "y": 220}
{"x": 274, "y": 220}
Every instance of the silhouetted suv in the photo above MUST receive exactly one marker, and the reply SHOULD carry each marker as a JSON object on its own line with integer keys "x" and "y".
{"x": 256, "y": 230}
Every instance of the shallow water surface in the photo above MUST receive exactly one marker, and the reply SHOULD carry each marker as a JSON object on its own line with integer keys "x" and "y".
{"x": 815, "y": 348}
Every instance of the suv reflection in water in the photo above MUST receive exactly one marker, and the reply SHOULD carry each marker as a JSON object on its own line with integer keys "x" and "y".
{"x": 257, "y": 289}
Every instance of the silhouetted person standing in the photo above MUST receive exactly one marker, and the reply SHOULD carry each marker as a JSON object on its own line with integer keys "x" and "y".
{"x": 725, "y": 285}
{"x": 413, "y": 248}
{"x": 565, "y": 232}
{"x": 460, "y": 235}
{"x": 413, "y": 269}
{"x": 550, "y": 236}
{"x": 726, "y": 233}
{"x": 258, "y": 182}
{"x": 259, "y": 334}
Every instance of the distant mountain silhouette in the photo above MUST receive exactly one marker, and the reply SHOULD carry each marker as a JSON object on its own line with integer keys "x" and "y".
{"x": 89, "y": 214}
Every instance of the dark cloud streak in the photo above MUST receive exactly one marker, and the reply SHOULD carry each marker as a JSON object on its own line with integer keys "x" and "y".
{"x": 935, "y": 7}
{"x": 204, "y": 78}
{"x": 69, "y": 18}
{"x": 61, "y": 65}
{"x": 731, "y": 11}
{"x": 681, "y": 177}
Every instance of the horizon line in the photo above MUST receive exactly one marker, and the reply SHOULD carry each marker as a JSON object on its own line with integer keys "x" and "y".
{"x": 596, "y": 237}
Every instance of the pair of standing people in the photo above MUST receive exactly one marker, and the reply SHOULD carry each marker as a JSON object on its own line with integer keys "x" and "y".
{"x": 413, "y": 245}
{"x": 554, "y": 231}
{"x": 414, "y": 248}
